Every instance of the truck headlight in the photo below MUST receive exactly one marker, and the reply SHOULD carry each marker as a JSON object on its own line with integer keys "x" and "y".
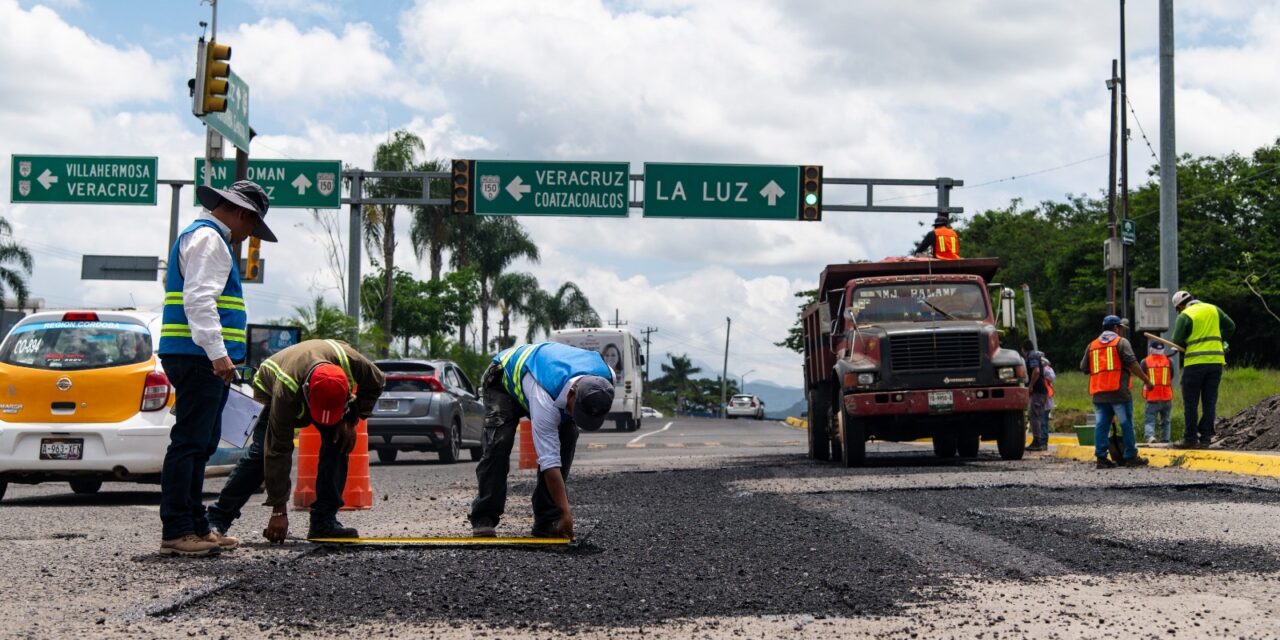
{"x": 1007, "y": 374}
{"x": 866, "y": 378}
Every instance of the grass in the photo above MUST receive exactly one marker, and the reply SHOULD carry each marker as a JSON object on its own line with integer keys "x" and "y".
{"x": 1241, "y": 388}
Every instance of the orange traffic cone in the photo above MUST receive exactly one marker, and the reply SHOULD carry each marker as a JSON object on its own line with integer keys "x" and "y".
{"x": 528, "y": 456}
{"x": 356, "y": 494}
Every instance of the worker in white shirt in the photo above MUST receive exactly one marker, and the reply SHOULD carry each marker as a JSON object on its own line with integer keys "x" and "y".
{"x": 202, "y": 336}
{"x": 560, "y": 389}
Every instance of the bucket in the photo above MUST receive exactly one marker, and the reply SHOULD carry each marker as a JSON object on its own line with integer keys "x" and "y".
{"x": 1084, "y": 435}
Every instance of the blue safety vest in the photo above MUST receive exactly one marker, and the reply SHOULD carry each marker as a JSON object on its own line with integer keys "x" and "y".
{"x": 551, "y": 364}
{"x": 175, "y": 331}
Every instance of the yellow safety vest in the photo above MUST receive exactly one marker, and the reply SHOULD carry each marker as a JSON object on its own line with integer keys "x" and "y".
{"x": 1204, "y": 345}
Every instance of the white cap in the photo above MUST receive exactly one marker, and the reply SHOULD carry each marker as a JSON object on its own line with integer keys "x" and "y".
{"x": 1180, "y": 298}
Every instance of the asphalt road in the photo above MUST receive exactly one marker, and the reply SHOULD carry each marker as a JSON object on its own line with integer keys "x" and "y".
{"x": 710, "y": 529}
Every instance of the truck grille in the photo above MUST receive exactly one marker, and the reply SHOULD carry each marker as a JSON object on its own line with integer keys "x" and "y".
{"x": 931, "y": 352}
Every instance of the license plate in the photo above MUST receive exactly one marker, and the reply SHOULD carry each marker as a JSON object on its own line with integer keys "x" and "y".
{"x": 61, "y": 448}
{"x": 388, "y": 405}
{"x": 941, "y": 401}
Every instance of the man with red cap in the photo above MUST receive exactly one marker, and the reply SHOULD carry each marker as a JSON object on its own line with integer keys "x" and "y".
{"x": 325, "y": 383}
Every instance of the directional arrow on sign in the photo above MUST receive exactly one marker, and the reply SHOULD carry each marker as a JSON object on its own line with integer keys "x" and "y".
{"x": 772, "y": 191}
{"x": 301, "y": 183}
{"x": 518, "y": 188}
{"x": 47, "y": 178}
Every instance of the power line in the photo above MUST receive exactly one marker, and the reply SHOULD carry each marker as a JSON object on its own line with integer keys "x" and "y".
{"x": 921, "y": 194}
{"x": 1140, "y": 130}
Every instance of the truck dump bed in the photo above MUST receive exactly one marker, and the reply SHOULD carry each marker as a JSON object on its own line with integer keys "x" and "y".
{"x": 836, "y": 276}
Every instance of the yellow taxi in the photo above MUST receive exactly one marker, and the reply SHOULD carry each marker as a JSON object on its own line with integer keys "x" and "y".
{"x": 83, "y": 399}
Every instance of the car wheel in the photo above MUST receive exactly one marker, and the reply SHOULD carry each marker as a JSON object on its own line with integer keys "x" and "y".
{"x": 452, "y": 451}
{"x": 387, "y": 456}
{"x": 4, "y": 486}
{"x": 621, "y": 424}
{"x": 968, "y": 444}
{"x": 476, "y": 453}
{"x": 85, "y": 486}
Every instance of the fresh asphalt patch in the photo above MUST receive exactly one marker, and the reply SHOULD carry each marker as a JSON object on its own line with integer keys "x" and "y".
{"x": 682, "y": 544}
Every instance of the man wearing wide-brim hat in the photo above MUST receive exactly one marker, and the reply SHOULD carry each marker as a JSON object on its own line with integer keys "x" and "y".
{"x": 202, "y": 336}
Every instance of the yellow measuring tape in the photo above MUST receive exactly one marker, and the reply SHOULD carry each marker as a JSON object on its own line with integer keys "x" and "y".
{"x": 448, "y": 542}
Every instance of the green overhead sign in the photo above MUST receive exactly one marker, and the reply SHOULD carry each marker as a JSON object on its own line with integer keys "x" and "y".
{"x": 83, "y": 180}
{"x": 504, "y": 188}
{"x": 299, "y": 184}
{"x": 724, "y": 191}
{"x": 233, "y": 123}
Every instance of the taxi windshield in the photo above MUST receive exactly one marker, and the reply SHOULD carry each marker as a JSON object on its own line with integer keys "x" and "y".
{"x": 63, "y": 345}
{"x": 914, "y": 302}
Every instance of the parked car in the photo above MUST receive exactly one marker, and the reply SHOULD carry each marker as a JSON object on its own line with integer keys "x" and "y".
{"x": 650, "y": 412}
{"x": 427, "y": 405}
{"x": 744, "y": 405}
{"x": 83, "y": 399}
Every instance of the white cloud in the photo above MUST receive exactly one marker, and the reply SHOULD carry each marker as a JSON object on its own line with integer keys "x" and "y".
{"x": 296, "y": 8}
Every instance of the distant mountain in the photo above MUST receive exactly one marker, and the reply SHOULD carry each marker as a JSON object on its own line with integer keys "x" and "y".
{"x": 779, "y": 401}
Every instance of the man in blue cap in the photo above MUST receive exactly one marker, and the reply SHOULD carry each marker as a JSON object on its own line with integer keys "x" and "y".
{"x": 1110, "y": 361}
{"x": 560, "y": 389}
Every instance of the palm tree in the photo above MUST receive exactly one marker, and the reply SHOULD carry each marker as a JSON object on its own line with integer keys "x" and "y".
{"x": 677, "y": 378}
{"x": 12, "y": 253}
{"x": 396, "y": 154}
{"x": 516, "y": 294}
{"x": 567, "y": 307}
{"x": 324, "y": 320}
{"x": 434, "y": 228}
{"x": 491, "y": 247}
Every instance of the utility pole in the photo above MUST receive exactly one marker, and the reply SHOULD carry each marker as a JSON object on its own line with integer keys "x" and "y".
{"x": 1124, "y": 166}
{"x": 617, "y": 321}
{"x": 646, "y": 331}
{"x": 724, "y": 377}
{"x": 1168, "y": 161}
{"x": 1111, "y": 191}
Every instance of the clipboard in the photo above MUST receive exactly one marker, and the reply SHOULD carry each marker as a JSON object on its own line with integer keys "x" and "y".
{"x": 239, "y": 417}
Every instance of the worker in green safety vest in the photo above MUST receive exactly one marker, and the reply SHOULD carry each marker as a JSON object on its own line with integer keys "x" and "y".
{"x": 1201, "y": 330}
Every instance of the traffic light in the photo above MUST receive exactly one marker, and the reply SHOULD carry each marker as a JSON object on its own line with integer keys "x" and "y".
{"x": 462, "y": 187}
{"x": 253, "y": 263}
{"x": 212, "y": 69}
{"x": 811, "y": 193}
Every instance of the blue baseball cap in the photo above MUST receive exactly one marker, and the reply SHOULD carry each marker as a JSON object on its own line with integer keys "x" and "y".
{"x": 1111, "y": 321}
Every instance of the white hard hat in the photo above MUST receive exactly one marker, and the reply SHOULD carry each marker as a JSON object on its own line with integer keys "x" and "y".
{"x": 1180, "y": 298}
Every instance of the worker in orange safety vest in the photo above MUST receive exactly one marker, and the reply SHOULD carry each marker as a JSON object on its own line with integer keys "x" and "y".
{"x": 1109, "y": 361}
{"x": 942, "y": 242}
{"x": 1159, "y": 398}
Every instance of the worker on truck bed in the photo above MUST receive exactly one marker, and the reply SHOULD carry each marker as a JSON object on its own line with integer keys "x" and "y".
{"x": 942, "y": 242}
{"x": 559, "y": 388}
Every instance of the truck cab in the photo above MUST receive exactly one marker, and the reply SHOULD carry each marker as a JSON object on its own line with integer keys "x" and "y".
{"x": 904, "y": 349}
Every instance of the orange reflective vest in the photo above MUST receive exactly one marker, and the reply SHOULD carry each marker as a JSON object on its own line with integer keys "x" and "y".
{"x": 946, "y": 244}
{"x": 1161, "y": 375}
{"x": 1104, "y": 366}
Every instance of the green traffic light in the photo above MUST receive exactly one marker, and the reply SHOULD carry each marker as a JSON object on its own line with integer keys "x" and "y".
{"x": 811, "y": 199}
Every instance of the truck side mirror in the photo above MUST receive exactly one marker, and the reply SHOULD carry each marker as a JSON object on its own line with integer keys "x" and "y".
{"x": 1006, "y": 308}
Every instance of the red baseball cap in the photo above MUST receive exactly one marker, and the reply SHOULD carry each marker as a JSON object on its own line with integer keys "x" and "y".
{"x": 327, "y": 394}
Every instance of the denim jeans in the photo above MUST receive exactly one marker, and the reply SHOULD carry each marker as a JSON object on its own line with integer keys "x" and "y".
{"x": 331, "y": 478}
{"x": 1156, "y": 420}
{"x": 199, "y": 398}
{"x": 1103, "y": 412}
{"x": 1038, "y": 416}
{"x": 1200, "y": 383}
{"x": 502, "y": 417}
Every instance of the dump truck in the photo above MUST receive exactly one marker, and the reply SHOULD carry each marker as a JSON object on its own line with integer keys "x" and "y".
{"x": 908, "y": 348}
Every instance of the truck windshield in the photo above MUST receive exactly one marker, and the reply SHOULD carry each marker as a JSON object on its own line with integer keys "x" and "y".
{"x": 914, "y": 302}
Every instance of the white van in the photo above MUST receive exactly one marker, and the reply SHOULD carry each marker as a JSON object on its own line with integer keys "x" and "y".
{"x": 621, "y": 351}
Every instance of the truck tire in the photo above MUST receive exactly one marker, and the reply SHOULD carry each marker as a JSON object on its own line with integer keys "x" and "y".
{"x": 819, "y": 419}
{"x": 853, "y": 440}
{"x": 945, "y": 444}
{"x": 1013, "y": 435}
{"x": 968, "y": 444}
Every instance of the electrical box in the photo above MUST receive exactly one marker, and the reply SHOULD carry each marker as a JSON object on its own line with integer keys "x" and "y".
{"x": 1112, "y": 254}
{"x": 1151, "y": 309}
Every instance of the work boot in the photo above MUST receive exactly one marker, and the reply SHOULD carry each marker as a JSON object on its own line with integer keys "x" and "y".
{"x": 224, "y": 542}
{"x": 551, "y": 530}
{"x": 189, "y": 545}
{"x": 1037, "y": 446}
{"x": 1105, "y": 463}
{"x": 331, "y": 530}
{"x": 1186, "y": 444}
{"x": 483, "y": 530}
{"x": 1136, "y": 461}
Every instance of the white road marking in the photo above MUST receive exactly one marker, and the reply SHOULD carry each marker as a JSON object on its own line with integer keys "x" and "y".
{"x": 646, "y": 435}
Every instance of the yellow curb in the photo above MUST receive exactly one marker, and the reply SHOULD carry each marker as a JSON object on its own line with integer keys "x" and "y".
{"x": 798, "y": 423}
{"x": 635, "y": 445}
{"x": 1238, "y": 462}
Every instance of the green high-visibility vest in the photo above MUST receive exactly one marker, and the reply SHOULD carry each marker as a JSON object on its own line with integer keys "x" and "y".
{"x": 1204, "y": 345}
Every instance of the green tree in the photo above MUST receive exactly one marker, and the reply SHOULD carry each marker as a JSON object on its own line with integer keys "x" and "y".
{"x": 492, "y": 245}
{"x": 426, "y": 310}
{"x": 795, "y": 335}
{"x": 15, "y": 265}
{"x": 567, "y": 307}
{"x": 322, "y": 320}
{"x": 516, "y": 294}
{"x": 396, "y": 154}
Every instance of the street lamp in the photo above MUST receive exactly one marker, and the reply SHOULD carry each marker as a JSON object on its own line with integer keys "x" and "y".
{"x": 742, "y": 380}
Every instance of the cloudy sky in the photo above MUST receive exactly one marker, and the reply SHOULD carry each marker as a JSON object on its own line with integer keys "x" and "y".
{"x": 980, "y": 90}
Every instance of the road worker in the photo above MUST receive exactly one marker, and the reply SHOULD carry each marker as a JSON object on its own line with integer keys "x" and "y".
{"x": 942, "y": 242}
{"x": 1109, "y": 360}
{"x": 1156, "y": 424}
{"x": 202, "y": 336}
{"x": 1201, "y": 330}
{"x": 560, "y": 389}
{"x": 325, "y": 383}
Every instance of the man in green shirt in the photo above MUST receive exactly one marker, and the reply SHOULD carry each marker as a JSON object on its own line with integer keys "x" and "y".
{"x": 1201, "y": 330}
